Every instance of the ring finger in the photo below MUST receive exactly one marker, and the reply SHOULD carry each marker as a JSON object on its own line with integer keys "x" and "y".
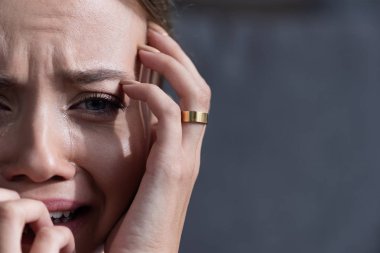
{"x": 193, "y": 97}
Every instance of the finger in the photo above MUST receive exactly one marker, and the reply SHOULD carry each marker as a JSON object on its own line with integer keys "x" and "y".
{"x": 169, "y": 132}
{"x": 192, "y": 133}
{"x": 159, "y": 38}
{"x": 192, "y": 96}
{"x": 192, "y": 140}
{"x": 53, "y": 240}
{"x": 6, "y": 195}
{"x": 14, "y": 215}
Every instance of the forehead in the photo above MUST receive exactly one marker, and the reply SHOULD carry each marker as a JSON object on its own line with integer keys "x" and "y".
{"x": 34, "y": 13}
{"x": 87, "y": 30}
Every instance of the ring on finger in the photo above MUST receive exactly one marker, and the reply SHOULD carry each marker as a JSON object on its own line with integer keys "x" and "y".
{"x": 194, "y": 117}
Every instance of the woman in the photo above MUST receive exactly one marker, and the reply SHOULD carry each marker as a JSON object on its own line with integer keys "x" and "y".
{"x": 77, "y": 150}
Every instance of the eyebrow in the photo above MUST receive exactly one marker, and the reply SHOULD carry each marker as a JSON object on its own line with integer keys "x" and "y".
{"x": 75, "y": 76}
{"x": 93, "y": 75}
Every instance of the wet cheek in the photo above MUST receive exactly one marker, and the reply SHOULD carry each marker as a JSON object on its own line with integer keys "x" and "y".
{"x": 113, "y": 156}
{"x": 104, "y": 153}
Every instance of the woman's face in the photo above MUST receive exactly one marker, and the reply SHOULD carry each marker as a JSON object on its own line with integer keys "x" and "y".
{"x": 65, "y": 138}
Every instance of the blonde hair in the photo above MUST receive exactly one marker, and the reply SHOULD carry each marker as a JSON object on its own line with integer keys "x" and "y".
{"x": 158, "y": 11}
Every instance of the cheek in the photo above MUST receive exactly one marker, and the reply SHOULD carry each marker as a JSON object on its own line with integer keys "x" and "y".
{"x": 113, "y": 157}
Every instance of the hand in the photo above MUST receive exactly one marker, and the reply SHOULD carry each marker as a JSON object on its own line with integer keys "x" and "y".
{"x": 15, "y": 213}
{"x": 155, "y": 219}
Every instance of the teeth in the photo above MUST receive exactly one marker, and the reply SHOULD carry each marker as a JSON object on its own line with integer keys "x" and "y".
{"x": 66, "y": 214}
{"x": 60, "y": 215}
{"x": 56, "y": 215}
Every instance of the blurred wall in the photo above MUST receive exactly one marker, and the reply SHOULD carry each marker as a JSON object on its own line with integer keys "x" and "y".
{"x": 292, "y": 153}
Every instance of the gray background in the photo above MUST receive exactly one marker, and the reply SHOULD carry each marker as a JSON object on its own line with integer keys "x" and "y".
{"x": 291, "y": 156}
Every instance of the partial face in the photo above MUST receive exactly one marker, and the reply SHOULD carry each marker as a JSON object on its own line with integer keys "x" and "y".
{"x": 68, "y": 136}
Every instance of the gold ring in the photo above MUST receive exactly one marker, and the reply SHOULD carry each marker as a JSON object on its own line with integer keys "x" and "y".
{"x": 194, "y": 117}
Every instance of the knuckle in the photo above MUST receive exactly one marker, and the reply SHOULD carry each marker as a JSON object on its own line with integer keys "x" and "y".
{"x": 152, "y": 91}
{"x": 202, "y": 95}
{"x": 47, "y": 234}
{"x": 180, "y": 174}
{"x": 175, "y": 174}
{"x": 8, "y": 211}
{"x": 205, "y": 93}
{"x": 65, "y": 233}
{"x": 64, "y": 230}
{"x": 169, "y": 108}
{"x": 172, "y": 110}
{"x": 206, "y": 90}
{"x": 6, "y": 194}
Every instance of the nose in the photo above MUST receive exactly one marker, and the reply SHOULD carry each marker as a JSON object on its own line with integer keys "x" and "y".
{"x": 40, "y": 148}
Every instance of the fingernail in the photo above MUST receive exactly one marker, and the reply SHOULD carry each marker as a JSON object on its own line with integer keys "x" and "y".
{"x": 148, "y": 49}
{"x": 129, "y": 82}
{"x": 127, "y": 85}
{"x": 156, "y": 28}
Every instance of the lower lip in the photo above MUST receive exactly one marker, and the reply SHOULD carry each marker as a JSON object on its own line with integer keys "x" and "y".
{"x": 74, "y": 225}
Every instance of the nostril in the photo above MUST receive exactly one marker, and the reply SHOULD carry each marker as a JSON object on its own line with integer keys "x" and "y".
{"x": 37, "y": 171}
{"x": 57, "y": 178}
{"x": 8, "y": 176}
{"x": 18, "y": 178}
{"x": 23, "y": 177}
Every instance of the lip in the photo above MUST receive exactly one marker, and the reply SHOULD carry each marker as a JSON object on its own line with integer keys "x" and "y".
{"x": 56, "y": 205}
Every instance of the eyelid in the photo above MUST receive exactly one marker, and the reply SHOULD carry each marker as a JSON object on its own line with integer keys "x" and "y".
{"x": 113, "y": 106}
{"x": 105, "y": 96}
{"x": 4, "y": 102}
{"x": 99, "y": 95}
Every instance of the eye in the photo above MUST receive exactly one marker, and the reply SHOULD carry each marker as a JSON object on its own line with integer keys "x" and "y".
{"x": 4, "y": 105}
{"x": 99, "y": 103}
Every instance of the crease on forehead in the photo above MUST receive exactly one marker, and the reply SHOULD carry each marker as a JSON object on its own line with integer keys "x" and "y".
{"x": 91, "y": 11}
{"x": 23, "y": 20}
{"x": 23, "y": 15}
{"x": 47, "y": 19}
{"x": 12, "y": 61}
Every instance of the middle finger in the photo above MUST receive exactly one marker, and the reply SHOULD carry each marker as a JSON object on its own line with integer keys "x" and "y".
{"x": 53, "y": 240}
{"x": 180, "y": 79}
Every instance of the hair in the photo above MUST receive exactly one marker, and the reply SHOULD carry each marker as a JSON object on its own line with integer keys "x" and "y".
{"x": 158, "y": 11}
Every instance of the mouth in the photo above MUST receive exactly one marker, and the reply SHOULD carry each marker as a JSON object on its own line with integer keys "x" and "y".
{"x": 72, "y": 218}
{"x": 65, "y": 217}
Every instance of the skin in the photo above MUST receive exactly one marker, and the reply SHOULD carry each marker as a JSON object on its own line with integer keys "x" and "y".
{"x": 59, "y": 142}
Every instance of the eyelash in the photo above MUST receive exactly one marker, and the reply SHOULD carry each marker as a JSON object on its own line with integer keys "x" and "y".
{"x": 4, "y": 106}
{"x": 112, "y": 102}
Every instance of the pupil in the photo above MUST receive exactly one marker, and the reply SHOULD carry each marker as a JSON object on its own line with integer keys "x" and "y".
{"x": 96, "y": 105}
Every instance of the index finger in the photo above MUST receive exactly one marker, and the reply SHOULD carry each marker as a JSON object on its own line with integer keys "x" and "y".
{"x": 14, "y": 215}
{"x": 6, "y": 195}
